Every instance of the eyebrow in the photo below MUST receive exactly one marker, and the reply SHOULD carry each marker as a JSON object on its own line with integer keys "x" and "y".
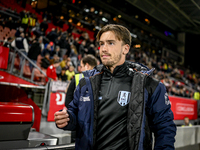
{"x": 107, "y": 41}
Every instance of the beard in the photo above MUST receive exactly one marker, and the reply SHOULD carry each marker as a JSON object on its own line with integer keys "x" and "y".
{"x": 112, "y": 60}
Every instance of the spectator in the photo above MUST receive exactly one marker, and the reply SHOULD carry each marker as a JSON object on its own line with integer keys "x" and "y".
{"x": 19, "y": 31}
{"x": 51, "y": 72}
{"x": 63, "y": 76}
{"x": 74, "y": 55}
{"x": 57, "y": 52}
{"x": 91, "y": 50}
{"x": 63, "y": 44}
{"x": 186, "y": 122}
{"x": 48, "y": 50}
{"x": 70, "y": 73}
{"x": 33, "y": 53}
{"x": 7, "y": 43}
{"x": 44, "y": 26}
{"x": 45, "y": 62}
{"x": 52, "y": 36}
{"x": 10, "y": 23}
{"x": 21, "y": 44}
{"x": 82, "y": 48}
{"x": 40, "y": 40}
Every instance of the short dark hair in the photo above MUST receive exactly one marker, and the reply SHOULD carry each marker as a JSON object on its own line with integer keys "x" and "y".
{"x": 121, "y": 32}
{"x": 90, "y": 59}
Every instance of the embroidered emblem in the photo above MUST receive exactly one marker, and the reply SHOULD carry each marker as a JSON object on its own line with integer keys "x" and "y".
{"x": 123, "y": 97}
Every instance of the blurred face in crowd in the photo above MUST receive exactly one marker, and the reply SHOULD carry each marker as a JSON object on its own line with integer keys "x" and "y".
{"x": 112, "y": 51}
{"x": 49, "y": 47}
{"x": 57, "y": 49}
{"x": 186, "y": 120}
{"x": 71, "y": 68}
{"x": 85, "y": 67}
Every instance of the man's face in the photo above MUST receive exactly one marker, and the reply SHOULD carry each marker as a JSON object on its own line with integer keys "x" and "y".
{"x": 83, "y": 67}
{"x": 111, "y": 50}
{"x": 186, "y": 120}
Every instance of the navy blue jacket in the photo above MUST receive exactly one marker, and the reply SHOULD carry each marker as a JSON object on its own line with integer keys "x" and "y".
{"x": 149, "y": 111}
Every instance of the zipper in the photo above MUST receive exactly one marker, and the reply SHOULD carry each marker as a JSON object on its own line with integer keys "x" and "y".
{"x": 143, "y": 106}
{"x": 109, "y": 86}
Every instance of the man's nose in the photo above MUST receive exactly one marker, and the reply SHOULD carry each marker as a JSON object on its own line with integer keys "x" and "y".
{"x": 104, "y": 47}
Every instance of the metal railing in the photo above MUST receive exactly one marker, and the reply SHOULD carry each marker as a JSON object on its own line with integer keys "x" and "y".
{"x": 55, "y": 147}
{"x": 25, "y": 58}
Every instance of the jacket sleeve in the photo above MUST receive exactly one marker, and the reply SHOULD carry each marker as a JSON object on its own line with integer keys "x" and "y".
{"x": 73, "y": 111}
{"x": 161, "y": 122}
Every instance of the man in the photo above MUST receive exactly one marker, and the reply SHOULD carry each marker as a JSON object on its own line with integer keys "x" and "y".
{"x": 87, "y": 63}
{"x": 186, "y": 122}
{"x": 51, "y": 72}
{"x": 118, "y": 106}
{"x": 33, "y": 53}
{"x": 22, "y": 45}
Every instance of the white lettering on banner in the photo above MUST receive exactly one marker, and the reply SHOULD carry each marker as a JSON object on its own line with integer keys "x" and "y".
{"x": 59, "y": 86}
{"x": 185, "y": 109}
{"x": 60, "y": 98}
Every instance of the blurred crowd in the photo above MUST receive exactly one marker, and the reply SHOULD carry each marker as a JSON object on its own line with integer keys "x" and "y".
{"x": 61, "y": 50}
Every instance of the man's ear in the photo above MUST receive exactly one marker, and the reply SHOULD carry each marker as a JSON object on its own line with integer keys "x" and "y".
{"x": 126, "y": 48}
{"x": 87, "y": 66}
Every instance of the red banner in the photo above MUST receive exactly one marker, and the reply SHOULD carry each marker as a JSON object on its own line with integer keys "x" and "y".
{"x": 57, "y": 102}
{"x": 183, "y": 107}
{"x": 4, "y": 52}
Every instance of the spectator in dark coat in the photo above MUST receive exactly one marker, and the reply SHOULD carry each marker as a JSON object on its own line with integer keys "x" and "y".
{"x": 91, "y": 50}
{"x": 52, "y": 36}
{"x": 62, "y": 76}
{"x": 33, "y": 53}
{"x": 10, "y": 23}
{"x": 44, "y": 26}
{"x": 46, "y": 61}
{"x": 48, "y": 50}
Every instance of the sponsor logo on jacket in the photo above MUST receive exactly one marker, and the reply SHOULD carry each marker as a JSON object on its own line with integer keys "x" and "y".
{"x": 85, "y": 99}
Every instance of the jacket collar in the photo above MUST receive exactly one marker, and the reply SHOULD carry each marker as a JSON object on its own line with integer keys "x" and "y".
{"x": 131, "y": 65}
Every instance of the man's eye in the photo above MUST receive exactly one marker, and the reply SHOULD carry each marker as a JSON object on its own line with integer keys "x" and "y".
{"x": 101, "y": 44}
{"x": 111, "y": 43}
